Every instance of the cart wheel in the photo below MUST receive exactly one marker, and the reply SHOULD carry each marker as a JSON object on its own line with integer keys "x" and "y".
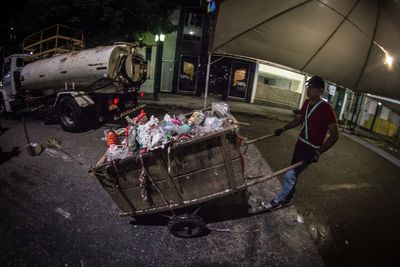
{"x": 186, "y": 225}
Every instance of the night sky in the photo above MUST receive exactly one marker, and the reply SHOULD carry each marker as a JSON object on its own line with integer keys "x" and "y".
{"x": 8, "y": 17}
{"x": 9, "y": 10}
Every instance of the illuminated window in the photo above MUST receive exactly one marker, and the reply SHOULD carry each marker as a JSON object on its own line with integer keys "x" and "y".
{"x": 188, "y": 68}
{"x": 239, "y": 76}
{"x": 275, "y": 81}
{"x": 188, "y": 73}
{"x": 193, "y": 25}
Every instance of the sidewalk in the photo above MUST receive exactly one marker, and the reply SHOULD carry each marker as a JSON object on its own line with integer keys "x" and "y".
{"x": 371, "y": 146}
{"x": 197, "y": 102}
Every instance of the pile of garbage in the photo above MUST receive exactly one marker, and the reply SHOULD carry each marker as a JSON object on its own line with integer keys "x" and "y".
{"x": 144, "y": 134}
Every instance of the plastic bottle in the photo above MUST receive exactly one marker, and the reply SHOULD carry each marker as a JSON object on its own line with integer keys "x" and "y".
{"x": 196, "y": 118}
{"x": 112, "y": 138}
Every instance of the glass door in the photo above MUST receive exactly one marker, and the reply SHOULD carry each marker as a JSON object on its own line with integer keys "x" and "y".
{"x": 239, "y": 79}
{"x": 187, "y": 79}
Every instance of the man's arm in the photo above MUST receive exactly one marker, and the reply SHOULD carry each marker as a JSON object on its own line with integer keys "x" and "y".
{"x": 333, "y": 137}
{"x": 295, "y": 122}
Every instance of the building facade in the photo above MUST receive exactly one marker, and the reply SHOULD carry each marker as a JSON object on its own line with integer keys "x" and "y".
{"x": 183, "y": 64}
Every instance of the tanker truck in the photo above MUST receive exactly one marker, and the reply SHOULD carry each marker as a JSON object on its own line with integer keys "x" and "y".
{"x": 80, "y": 87}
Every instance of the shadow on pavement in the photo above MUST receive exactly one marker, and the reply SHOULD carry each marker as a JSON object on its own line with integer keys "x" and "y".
{"x": 218, "y": 210}
{"x": 3, "y": 130}
{"x": 5, "y": 156}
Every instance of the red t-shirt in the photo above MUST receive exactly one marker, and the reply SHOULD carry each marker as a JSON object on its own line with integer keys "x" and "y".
{"x": 317, "y": 124}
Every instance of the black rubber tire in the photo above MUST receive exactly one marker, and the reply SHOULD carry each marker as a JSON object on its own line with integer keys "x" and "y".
{"x": 69, "y": 114}
{"x": 186, "y": 226}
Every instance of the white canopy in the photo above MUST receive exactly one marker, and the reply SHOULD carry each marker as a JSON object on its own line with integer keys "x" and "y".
{"x": 343, "y": 41}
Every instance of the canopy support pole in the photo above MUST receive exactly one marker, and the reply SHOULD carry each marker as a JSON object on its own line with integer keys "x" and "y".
{"x": 348, "y": 111}
{"x": 207, "y": 80}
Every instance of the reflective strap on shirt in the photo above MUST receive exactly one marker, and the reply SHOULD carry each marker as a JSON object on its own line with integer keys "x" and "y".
{"x": 307, "y": 115}
{"x": 308, "y": 143}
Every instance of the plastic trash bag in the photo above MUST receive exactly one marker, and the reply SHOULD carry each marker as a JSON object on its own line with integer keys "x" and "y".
{"x": 212, "y": 124}
{"x": 221, "y": 109}
{"x": 117, "y": 152}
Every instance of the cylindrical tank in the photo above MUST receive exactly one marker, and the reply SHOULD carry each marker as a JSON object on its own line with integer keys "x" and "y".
{"x": 81, "y": 68}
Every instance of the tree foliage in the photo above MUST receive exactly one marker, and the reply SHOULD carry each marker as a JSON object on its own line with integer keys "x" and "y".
{"x": 102, "y": 21}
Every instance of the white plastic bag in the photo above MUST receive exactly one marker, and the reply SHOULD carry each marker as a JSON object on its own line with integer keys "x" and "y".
{"x": 221, "y": 109}
{"x": 117, "y": 152}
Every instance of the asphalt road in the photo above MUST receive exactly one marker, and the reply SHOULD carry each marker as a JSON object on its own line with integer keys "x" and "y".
{"x": 55, "y": 214}
{"x": 349, "y": 199}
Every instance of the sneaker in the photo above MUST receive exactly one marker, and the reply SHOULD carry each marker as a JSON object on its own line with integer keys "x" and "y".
{"x": 286, "y": 202}
{"x": 272, "y": 205}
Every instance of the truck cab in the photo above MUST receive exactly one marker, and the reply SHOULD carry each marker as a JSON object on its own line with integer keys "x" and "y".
{"x": 9, "y": 97}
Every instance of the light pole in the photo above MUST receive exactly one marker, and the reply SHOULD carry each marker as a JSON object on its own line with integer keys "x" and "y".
{"x": 159, "y": 38}
{"x": 210, "y": 9}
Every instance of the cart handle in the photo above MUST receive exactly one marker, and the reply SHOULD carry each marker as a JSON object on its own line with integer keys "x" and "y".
{"x": 258, "y": 139}
{"x": 259, "y": 179}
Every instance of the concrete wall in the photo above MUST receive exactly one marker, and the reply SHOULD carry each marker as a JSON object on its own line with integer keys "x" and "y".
{"x": 273, "y": 94}
{"x": 381, "y": 126}
{"x": 386, "y": 123}
{"x": 287, "y": 88}
{"x": 297, "y": 79}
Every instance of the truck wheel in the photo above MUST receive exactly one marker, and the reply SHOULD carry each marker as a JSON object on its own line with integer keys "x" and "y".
{"x": 69, "y": 114}
{"x": 186, "y": 225}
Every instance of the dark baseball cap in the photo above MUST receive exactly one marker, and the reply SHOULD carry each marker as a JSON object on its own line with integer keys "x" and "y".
{"x": 316, "y": 81}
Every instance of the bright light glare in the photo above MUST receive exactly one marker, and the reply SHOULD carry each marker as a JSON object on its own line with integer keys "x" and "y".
{"x": 389, "y": 60}
{"x": 159, "y": 37}
{"x": 162, "y": 37}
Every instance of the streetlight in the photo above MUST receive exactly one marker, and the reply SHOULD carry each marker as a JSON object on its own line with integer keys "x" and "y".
{"x": 159, "y": 38}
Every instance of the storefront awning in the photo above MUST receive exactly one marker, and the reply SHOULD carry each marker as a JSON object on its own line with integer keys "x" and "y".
{"x": 348, "y": 42}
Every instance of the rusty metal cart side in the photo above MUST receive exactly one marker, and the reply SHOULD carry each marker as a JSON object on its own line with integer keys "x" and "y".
{"x": 177, "y": 176}
{"x": 180, "y": 175}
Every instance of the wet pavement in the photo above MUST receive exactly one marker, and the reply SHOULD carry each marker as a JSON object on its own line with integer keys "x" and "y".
{"x": 55, "y": 214}
{"x": 349, "y": 199}
{"x": 345, "y": 212}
